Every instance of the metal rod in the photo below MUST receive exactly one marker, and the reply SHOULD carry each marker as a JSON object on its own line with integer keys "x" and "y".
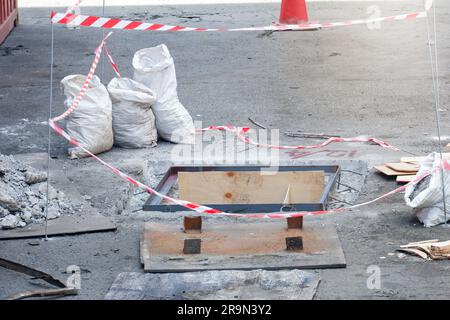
{"x": 351, "y": 171}
{"x": 103, "y": 52}
{"x": 342, "y": 201}
{"x": 50, "y": 107}
{"x": 346, "y": 185}
{"x": 438, "y": 103}
{"x": 257, "y": 123}
{"x": 435, "y": 77}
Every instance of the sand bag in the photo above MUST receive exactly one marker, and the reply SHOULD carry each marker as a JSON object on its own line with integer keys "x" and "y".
{"x": 133, "y": 119}
{"x": 426, "y": 195}
{"x": 155, "y": 68}
{"x": 91, "y": 123}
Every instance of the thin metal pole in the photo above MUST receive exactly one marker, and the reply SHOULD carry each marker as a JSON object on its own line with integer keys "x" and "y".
{"x": 103, "y": 52}
{"x": 49, "y": 129}
{"x": 435, "y": 76}
{"x": 438, "y": 104}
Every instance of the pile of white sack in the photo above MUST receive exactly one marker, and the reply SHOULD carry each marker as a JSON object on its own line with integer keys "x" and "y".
{"x": 426, "y": 196}
{"x": 129, "y": 113}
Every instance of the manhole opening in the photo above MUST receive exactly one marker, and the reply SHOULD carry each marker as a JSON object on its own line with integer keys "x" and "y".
{"x": 250, "y": 189}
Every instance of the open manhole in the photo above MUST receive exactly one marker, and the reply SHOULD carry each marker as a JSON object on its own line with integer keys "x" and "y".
{"x": 186, "y": 244}
{"x": 248, "y": 189}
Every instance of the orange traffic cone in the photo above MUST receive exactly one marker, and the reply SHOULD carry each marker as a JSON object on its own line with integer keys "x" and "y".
{"x": 293, "y": 12}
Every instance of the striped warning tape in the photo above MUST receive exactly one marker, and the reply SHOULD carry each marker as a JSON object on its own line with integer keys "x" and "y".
{"x": 112, "y": 62}
{"x": 72, "y": 8}
{"x": 207, "y": 210}
{"x": 76, "y": 20}
{"x": 239, "y": 132}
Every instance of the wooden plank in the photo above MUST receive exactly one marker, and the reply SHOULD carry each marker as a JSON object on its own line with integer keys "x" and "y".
{"x": 417, "y": 252}
{"x": 430, "y": 249}
{"x": 441, "y": 248}
{"x": 415, "y": 244}
{"x": 244, "y": 187}
{"x": 390, "y": 172}
{"x": 243, "y": 246}
{"x": 405, "y": 179}
{"x": 403, "y": 167}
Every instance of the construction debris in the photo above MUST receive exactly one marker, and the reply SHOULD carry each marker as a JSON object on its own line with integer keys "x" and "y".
{"x": 429, "y": 249}
{"x": 62, "y": 290}
{"x": 405, "y": 170}
{"x": 426, "y": 196}
{"x": 91, "y": 122}
{"x": 257, "y": 123}
{"x": 43, "y": 293}
{"x": 23, "y": 195}
{"x": 133, "y": 119}
{"x": 155, "y": 68}
{"x": 300, "y": 134}
{"x": 227, "y": 285}
{"x": 405, "y": 179}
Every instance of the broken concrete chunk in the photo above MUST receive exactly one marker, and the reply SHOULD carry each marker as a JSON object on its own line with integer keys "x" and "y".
{"x": 7, "y": 202}
{"x": 32, "y": 177}
{"x": 26, "y": 216}
{"x": 33, "y": 200}
{"x": 42, "y": 189}
{"x": 53, "y": 213}
{"x": 10, "y": 222}
{"x": 3, "y": 212}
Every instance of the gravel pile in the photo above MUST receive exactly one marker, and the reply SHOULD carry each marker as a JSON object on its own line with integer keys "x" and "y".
{"x": 23, "y": 193}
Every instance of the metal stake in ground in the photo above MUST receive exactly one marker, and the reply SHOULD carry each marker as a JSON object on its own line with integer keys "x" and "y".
{"x": 435, "y": 77}
{"x": 50, "y": 107}
{"x": 103, "y": 37}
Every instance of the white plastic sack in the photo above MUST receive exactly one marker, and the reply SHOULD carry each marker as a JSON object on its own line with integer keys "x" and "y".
{"x": 133, "y": 119}
{"x": 426, "y": 195}
{"x": 91, "y": 123}
{"x": 155, "y": 68}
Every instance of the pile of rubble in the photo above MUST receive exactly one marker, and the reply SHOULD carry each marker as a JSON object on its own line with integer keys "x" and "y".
{"x": 23, "y": 195}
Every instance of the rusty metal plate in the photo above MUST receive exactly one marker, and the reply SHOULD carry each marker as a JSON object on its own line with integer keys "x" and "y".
{"x": 244, "y": 246}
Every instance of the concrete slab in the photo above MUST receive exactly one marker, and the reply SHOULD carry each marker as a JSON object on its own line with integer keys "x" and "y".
{"x": 216, "y": 285}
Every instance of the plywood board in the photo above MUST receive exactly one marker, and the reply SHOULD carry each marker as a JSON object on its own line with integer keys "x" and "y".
{"x": 405, "y": 179}
{"x": 244, "y": 187}
{"x": 390, "y": 172}
{"x": 243, "y": 246}
{"x": 403, "y": 167}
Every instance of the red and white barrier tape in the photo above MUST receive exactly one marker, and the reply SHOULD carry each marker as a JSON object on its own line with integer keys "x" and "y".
{"x": 74, "y": 6}
{"x": 112, "y": 62}
{"x": 239, "y": 132}
{"x": 110, "y": 23}
{"x": 207, "y": 210}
